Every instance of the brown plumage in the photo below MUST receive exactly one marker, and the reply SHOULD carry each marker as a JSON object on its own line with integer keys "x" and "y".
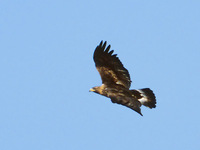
{"x": 116, "y": 81}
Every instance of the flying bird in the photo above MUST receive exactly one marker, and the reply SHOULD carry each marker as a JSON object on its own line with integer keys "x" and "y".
{"x": 116, "y": 81}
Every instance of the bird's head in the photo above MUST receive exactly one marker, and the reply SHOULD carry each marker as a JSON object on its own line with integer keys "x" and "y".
{"x": 99, "y": 89}
{"x": 94, "y": 89}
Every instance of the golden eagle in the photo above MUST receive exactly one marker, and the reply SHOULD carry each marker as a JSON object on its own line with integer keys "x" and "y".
{"x": 116, "y": 81}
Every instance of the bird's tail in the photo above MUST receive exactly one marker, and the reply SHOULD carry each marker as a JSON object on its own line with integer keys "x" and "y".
{"x": 146, "y": 97}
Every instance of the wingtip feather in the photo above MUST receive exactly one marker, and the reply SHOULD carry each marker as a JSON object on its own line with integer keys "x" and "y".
{"x": 111, "y": 52}
{"x": 100, "y": 44}
{"x": 104, "y": 45}
{"x": 107, "y": 49}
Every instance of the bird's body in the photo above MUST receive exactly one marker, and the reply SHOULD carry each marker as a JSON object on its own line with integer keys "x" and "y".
{"x": 116, "y": 81}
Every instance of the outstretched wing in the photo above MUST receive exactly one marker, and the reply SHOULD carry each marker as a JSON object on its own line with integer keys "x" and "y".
{"x": 110, "y": 67}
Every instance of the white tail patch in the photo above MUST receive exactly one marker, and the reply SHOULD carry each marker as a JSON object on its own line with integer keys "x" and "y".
{"x": 144, "y": 97}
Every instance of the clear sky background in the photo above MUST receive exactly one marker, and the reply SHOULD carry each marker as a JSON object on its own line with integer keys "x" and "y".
{"x": 47, "y": 69}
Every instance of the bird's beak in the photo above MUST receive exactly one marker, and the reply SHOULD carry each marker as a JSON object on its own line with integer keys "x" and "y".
{"x": 91, "y": 90}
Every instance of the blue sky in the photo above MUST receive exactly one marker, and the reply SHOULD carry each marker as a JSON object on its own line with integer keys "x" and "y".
{"x": 47, "y": 70}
